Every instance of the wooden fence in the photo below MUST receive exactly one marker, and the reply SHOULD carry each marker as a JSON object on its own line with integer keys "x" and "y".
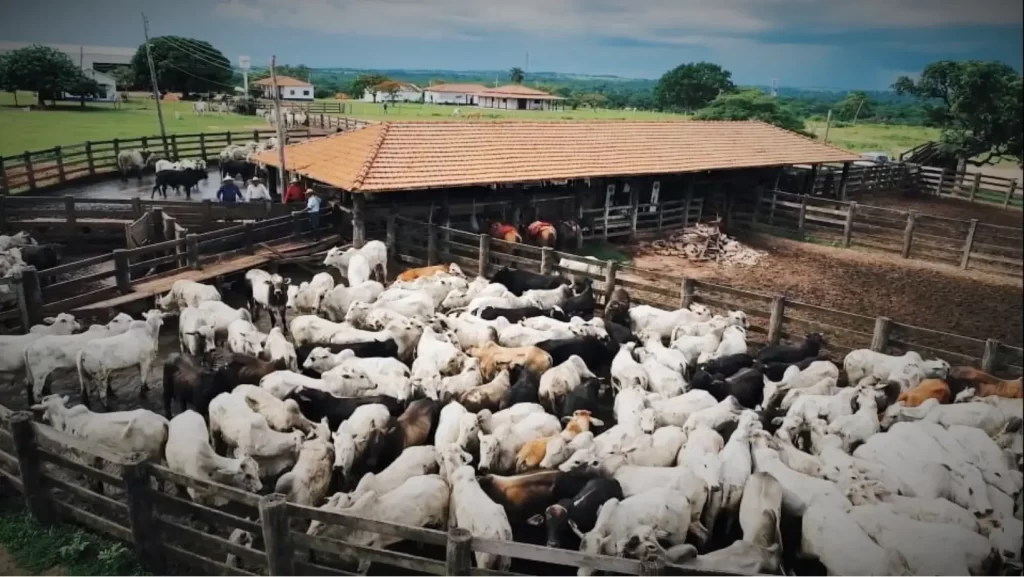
{"x": 643, "y": 220}
{"x": 772, "y": 317}
{"x": 129, "y": 499}
{"x": 972, "y": 186}
{"x": 56, "y": 166}
{"x": 969, "y": 245}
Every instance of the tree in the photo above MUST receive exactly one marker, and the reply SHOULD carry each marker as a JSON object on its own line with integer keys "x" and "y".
{"x": 516, "y": 75}
{"x": 365, "y": 82}
{"x": 124, "y": 76}
{"x": 389, "y": 87}
{"x": 977, "y": 104}
{"x": 688, "y": 87}
{"x": 183, "y": 65}
{"x": 5, "y": 84}
{"x": 751, "y": 105}
{"x": 46, "y": 71}
{"x": 84, "y": 87}
{"x": 593, "y": 100}
{"x": 855, "y": 105}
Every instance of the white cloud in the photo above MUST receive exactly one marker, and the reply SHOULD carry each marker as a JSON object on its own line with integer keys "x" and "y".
{"x": 670, "y": 21}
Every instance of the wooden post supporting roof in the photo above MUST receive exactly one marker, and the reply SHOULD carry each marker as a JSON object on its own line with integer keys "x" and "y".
{"x": 842, "y": 180}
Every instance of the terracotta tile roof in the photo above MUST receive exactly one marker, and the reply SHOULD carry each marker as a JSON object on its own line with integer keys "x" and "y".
{"x": 282, "y": 81}
{"x": 418, "y": 155}
{"x": 519, "y": 91}
{"x": 457, "y": 88}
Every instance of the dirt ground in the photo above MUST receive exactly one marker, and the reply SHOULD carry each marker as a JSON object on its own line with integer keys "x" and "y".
{"x": 946, "y": 207}
{"x": 8, "y": 566}
{"x": 970, "y": 304}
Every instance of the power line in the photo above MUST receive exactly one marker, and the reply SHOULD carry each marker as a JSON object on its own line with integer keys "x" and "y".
{"x": 152, "y": 76}
{"x": 207, "y": 80}
{"x": 209, "y": 52}
{"x": 186, "y": 49}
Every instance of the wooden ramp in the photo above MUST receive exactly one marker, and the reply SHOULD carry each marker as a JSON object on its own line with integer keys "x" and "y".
{"x": 149, "y": 288}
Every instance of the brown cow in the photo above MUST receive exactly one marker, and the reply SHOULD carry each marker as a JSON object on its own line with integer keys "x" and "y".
{"x": 533, "y": 452}
{"x": 542, "y": 233}
{"x": 415, "y": 273}
{"x": 927, "y": 389}
{"x": 984, "y": 384}
{"x": 494, "y": 358}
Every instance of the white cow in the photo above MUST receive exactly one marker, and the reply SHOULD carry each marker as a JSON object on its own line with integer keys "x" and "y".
{"x": 189, "y": 452}
{"x": 139, "y": 431}
{"x": 135, "y": 347}
{"x": 187, "y": 293}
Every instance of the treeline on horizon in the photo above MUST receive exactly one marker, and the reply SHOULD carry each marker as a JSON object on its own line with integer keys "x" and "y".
{"x": 880, "y": 106}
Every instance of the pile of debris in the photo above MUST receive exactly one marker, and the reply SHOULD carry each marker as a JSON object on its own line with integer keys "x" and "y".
{"x": 704, "y": 243}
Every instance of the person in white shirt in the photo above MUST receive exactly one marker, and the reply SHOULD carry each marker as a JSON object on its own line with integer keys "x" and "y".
{"x": 256, "y": 191}
{"x": 313, "y": 208}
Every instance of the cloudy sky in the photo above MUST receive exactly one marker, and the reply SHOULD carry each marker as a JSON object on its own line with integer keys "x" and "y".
{"x": 806, "y": 43}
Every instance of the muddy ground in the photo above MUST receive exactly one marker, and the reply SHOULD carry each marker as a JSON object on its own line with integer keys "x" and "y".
{"x": 945, "y": 207}
{"x": 921, "y": 294}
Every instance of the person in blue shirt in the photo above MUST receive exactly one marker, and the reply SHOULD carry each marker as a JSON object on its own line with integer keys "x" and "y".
{"x": 313, "y": 208}
{"x": 228, "y": 192}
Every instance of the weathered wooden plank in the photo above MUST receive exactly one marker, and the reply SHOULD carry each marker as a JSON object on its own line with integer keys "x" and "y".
{"x": 93, "y": 521}
{"x": 208, "y": 514}
{"x": 556, "y": 556}
{"x": 86, "y": 495}
{"x": 171, "y": 529}
{"x": 393, "y": 558}
{"x": 230, "y": 493}
{"x": 428, "y": 536}
{"x": 208, "y": 566}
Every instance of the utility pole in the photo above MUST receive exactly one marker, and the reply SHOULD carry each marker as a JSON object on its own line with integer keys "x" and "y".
{"x": 856, "y": 114}
{"x": 281, "y": 135}
{"x": 156, "y": 89}
{"x": 828, "y": 124}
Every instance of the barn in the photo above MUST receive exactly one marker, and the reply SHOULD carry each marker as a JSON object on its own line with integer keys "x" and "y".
{"x": 288, "y": 87}
{"x": 519, "y": 97}
{"x": 465, "y": 94}
{"x": 606, "y": 173}
{"x": 403, "y": 92}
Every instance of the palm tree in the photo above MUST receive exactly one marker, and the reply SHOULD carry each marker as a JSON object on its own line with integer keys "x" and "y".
{"x": 516, "y": 75}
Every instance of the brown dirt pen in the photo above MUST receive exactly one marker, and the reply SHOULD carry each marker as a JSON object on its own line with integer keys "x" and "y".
{"x": 944, "y": 207}
{"x": 970, "y": 304}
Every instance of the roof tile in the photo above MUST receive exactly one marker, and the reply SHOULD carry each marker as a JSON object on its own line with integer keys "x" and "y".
{"x": 282, "y": 81}
{"x": 416, "y": 155}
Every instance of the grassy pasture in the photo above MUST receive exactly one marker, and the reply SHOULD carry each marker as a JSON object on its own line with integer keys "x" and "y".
{"x": 889, "y": 138}
{"x": 440, "y": 112}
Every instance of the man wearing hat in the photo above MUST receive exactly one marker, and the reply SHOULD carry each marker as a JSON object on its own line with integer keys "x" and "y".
{"x": 294, "y": 192}
{"x": 228, "y": 192}
{"x": 256, "y": 191}
{"x": 313, "y": 208}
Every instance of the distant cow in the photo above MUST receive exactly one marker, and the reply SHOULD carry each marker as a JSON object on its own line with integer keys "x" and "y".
{"x": 41, "y": 256}
{"x": 199, "y": 108}
{"x": 178, "y": 179}
{"x": 133, "y": 161}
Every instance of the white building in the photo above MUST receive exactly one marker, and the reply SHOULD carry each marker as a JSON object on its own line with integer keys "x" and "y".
{"x": 406, "y": 93}
{"x": 107, "y": 82}
{"x": 518, "y": 97}
{"x": 464, "y": 94}
{"x": 288, "y": 87}
{"x": 95, "y": 61}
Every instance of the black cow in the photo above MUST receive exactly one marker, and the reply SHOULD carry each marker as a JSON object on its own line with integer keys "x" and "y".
{"x": 187, "y": 179}
{"x": 568, "y": 235}
{"x": 238, "y": 167}
{"x": 617, "y": 309}
{"x": 525, "y": 388}
{"x": 728, "y": 365}
{"x": 747, "y": 385}
{"x": 190, "y": 384}
{"x": 520, "y": 281}
{"x": 775, "y": 371}
{"x": 596, "y": 352}
{"x": 514, "y": 315}
{"x": 526, "y": 495}
{"x": 621, "y": 334}
{"x": 387, "y": 348}
{"x": 41, "y": 256}
{"x": 412, "y": 428}
{"x": 579, "y": 512}
{"x": 810, "y": 347}
{"x": 582, "y": 304}
{"x": 316, "y": 405}
{"x": 242, "y": 369}
{"x": 585, "y": 397}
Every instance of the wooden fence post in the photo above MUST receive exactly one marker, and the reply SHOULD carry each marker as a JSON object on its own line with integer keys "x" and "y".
{"x": 771, "y": 213}
{"x": 653, "y": 564}
{"x": 192, "y": 251}
{"x": 3, "y": 178}
{"x": 202, "y": 145}
{"x": 687, "y": 200}
{"x": 484, "y": 255}
{"x": 757, "y": 205}
{"x": 880, "y": 336}
{"x": 89, "y": 158}
{"x": 458, "y": 552}
{"x": 546, "y": 254}
{"x": 975, "y": 186}
{"x": 358, "y": 222}
{"x": 69, "y": 209}
{"x": 1006, "y": 201}
{"x": 207, "y": 214}
{"x": 803, "y": 214}
{"x": 33, "y": 295}
{"x": 686, "y": 293}
{"x": 29, "y": 171}
{"x": 297, "y": 222}
{"x": 36, "y": 491}
{"x": 609, "y": 278}
{"x": 247, "y": 237}
{"x": 121, "y": 272}
{"x": 990, "y": 356}
{"x": 431, "y": 245}
{"x": 851, "y": 211}
{"x": 59, "y": 154}
{"x": 908, "y": 233}
{"x": 775, "y": 321}
{"x": 23, "y": 311}
{"x": 391, "y": 236}
{"x": 174, "y": 144}
{"x": 965, "y": 258}
{"x": 136, "y": 207}
{"x": 117, "y": 149}
{"x": 227, "y": 136}
{"x": 938, "y": 185}
{"x": 135, "y": 475}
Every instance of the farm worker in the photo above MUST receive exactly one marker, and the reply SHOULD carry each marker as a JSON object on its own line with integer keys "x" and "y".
{"x": 256, "y": 191}
{"x": 228, "y": 192}
{"x": 294, "y": 192}
{"x": 313, "y": 208}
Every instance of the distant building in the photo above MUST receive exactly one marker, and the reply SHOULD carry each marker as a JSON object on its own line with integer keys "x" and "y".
{"x": 289, "y": 88}
{"x": 95, "y": 61}
{"x": 518, "y": 97}
{"x": 107, "y": 82}
{"x": 465, "y": 94}
{"x": 406, "y": 93}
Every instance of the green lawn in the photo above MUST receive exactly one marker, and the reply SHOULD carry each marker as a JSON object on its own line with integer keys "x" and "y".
{"x": 875, "y": 137}
{"x": 409, "y": 111}
{"x": 71, "y": 124}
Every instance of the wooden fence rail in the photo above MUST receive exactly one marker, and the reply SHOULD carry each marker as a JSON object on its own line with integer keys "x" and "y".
{"x": 772, "y": 317}
{"x": 968, "y": 245}
{"x": 129, "y": 499}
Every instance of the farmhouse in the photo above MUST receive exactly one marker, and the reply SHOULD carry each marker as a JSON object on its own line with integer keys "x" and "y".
{"x": 288, "y": 87}
{"x": 518, "y": 97}
{"x": 465, "y": 94}
{"x": 393, "y": 92}
{"x": 604, "y": 172}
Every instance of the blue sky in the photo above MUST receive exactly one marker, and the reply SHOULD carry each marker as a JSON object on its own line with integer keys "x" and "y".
{"x": 805, "y": 43}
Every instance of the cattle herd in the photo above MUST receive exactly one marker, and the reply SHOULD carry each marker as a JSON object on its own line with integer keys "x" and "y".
{"x": 17, "y": 252}
{"x": 505, "y": 407}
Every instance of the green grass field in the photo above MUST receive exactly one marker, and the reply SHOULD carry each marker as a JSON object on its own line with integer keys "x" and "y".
{"x": 410, "y": 111}
{"x": 71, "y": 124}
{"x": 875, "y": 137}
